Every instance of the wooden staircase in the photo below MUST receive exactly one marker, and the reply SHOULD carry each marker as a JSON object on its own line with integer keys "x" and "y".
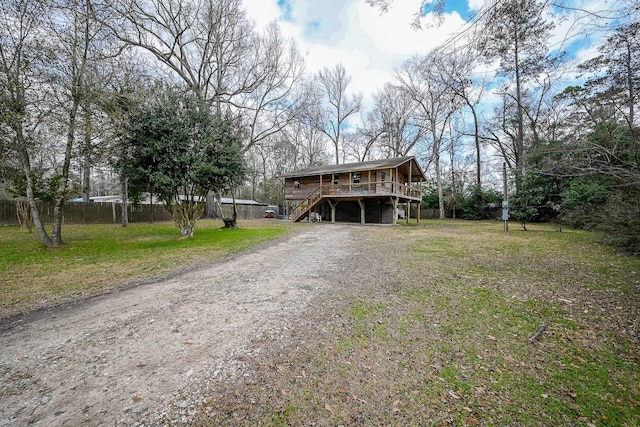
{"x": 306, "y": 206}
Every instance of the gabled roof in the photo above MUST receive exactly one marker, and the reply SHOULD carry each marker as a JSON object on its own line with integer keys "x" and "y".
{"x": 416, "y": 172}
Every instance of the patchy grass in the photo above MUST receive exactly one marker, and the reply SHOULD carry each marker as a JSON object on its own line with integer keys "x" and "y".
{"x": 458, "y": 323}
{"x": 98, "y": 258}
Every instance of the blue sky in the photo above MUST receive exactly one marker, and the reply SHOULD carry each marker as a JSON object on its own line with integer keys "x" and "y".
{"x": 460, "y": 6}
{"x": 369, "y": 44}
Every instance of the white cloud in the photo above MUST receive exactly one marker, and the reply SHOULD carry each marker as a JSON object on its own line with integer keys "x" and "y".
{"x": 393, "y": 35}
{"x": 367, "y": 43}
{"x": 476, "y": 4}
{"x": 262, "y": 12}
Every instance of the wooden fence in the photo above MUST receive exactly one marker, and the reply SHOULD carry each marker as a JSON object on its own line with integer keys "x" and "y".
{"x": 429, "y": 213}
{"x": 243, "y": 211}
{"x": 94, "y": 213}
{"x": 104, "y": 213}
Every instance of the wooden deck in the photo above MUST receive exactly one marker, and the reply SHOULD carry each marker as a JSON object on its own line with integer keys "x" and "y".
{"x": 399, "y": 193}
{"x": 369, "y": 191}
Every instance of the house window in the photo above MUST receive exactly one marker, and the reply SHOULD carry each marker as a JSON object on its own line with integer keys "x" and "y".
{"x": 356, "y": 178}
{"x": 296, "y": 184}
{"x": 336, "y": 180}
{"x": 383, "y": 177}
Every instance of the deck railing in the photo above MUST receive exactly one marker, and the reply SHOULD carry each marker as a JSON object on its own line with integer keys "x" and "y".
{"x": 353, "y": 189}
{"x": 372, "y": 188}
{"x": 303, "y": 206}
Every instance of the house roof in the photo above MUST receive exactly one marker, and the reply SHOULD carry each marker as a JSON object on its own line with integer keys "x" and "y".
{"x": 145, "y": 200}
{"x": 416, "y": 171}
{"x": 229, "y": 201}
{"x": 99, "y": 199}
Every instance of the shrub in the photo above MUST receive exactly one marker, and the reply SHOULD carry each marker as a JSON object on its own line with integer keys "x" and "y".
{"x": 479, "y": 203}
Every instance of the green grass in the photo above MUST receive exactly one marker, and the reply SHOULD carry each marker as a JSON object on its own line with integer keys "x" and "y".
{"x": 445, "y": 336}
{"x": 98, "y": 258}
{"x": 435, "y": 330}
{"x": 490, "y": 291}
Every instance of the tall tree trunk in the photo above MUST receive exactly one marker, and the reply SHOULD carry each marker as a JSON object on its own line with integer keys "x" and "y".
{"x": 630, "y": 85}
{"x": 124, "y": 182}
{"x": 453, "y": 180}
{"x": 436, "y": 159}
{"x": 44, "y": 237}
{"x": 86, "y": 152}
{"x": 151, "y": 207}
{"x": 439, "y": 185}
{"x": 519, "y": 149}
{"x": 58, "y": 208}
{"x": 337, "y": 143}
{"x": 233, "y": 221}
{"x": 476, "y": 135}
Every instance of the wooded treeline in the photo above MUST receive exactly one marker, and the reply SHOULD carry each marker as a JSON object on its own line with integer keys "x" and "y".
{"x": 505, "y": 90}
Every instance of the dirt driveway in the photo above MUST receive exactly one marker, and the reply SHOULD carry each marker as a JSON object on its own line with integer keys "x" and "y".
{"x": 143, "y": 355}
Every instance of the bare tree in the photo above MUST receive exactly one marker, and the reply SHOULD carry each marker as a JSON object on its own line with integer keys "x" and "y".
{"x": 437, "y": 8}
{"x": 308, "y": 141}
{"x": 45, "y": 52}
{"x": 213, "y": 48}
{"x": 275, "y": 101}
{"x": 364, "y": 143}
{"x": 470, "y": 91}
{"x": 540, "y": 118}
{"x": 22, "y": 89}
{"x": 424, "y": 80}
{"x": 304, "y": 132}
{"x": 208, "y": 45}
{"x": 76, "y": 40}
{"x": 500, "y": 131}
{"x": 340, "y": 106}
{"x": 93, "y": 142}
{"x": 395, "y": 112}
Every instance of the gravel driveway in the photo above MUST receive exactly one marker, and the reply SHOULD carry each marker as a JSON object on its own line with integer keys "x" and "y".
{"x": 143, "y": 355}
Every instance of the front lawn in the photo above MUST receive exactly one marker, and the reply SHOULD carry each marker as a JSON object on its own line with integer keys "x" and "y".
{"x": 99, "y": 258}
{"x": 464, "y": 325}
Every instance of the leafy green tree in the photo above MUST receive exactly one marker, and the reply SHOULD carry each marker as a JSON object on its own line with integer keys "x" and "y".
{"x": 603, "y": 183}
{"x": 127, "y": 90}
{"x": 537, "y": 199}
{"x": 181, "y": 150}
{"x": 44, "y": 189}
{"x": 619, "y": 218}
{"x": 430, "y": 197}
{"x": 600, "y": 157}
{"x": 582, "y": 195}
{"x": 617, "y": 71}
{"x": 478, "y": 203}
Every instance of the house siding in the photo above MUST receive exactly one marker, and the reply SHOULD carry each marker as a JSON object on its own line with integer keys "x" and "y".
{"x": 370, "y": 182}
{"x": 377, "y": 190}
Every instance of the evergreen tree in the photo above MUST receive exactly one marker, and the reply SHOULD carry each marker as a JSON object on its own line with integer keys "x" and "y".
{"x": 180, "y": 151}
{"x": 515, "y": 33}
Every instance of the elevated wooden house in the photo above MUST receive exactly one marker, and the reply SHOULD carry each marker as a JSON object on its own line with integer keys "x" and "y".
{"x": 367, "y": 192}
